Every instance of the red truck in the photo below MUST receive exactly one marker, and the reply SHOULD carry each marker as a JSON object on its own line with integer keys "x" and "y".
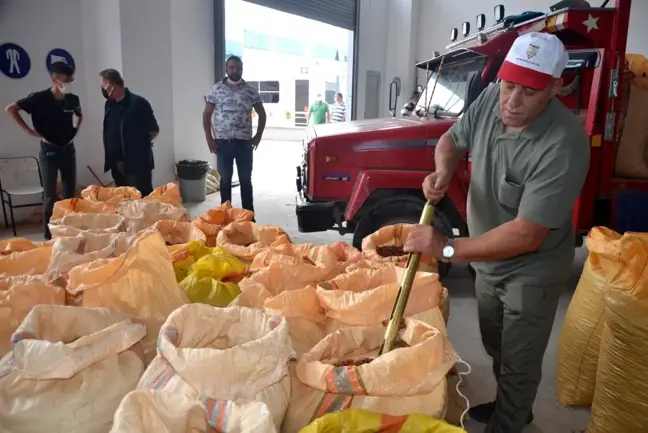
{"x": 359, "y": 176}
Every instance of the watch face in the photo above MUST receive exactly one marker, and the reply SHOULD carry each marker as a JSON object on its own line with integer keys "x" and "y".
{"x": 448, "y": 251}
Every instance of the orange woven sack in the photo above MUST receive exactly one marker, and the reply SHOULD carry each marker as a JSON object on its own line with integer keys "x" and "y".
{"x": 386, "y": 246}
{"x": 16, "y": 245}
{"x": 169, "y": 194}
{"x": 18, "y": 295}
{"x": 212, "y": 221}
{"x": 179, "y": 232}
{"x": 78, "y": 205}
{"x": 32, "y": 262}
{"x": 111, "y": 195}
{"x": 246, "y": 239}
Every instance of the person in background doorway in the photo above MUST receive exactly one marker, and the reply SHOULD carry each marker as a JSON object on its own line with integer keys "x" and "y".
{"x": 128, "y": 131}
{"x": 530, "y": 158}
{"x": 227, "y": 122}
{"x": 319, "y": 111}
{"x": 338, "y": 113}
{"x": 56, "y": 118}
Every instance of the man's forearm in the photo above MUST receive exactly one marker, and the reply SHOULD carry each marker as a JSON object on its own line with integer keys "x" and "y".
{"x": 501, "y": 243}
{"x": 14, "y": 112}
{"x": 207, "y": 127}
{"x": 446, "y": 155}
{"x": 261, "y": 126}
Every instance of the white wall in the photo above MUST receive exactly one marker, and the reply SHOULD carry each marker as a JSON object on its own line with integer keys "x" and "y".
{"x": 164, "y": 49}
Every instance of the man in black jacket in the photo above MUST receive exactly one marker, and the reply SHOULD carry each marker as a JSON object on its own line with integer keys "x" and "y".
{"x": 56, "y": 116}
{"x": 128, "y": 131}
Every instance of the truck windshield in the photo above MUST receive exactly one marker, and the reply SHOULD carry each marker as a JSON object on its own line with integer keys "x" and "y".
{"x": 449, "y": 95}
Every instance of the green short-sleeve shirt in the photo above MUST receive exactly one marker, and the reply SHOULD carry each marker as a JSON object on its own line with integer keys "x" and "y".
{"x": 535, "y": 174}
{"x": 319, "y": 111}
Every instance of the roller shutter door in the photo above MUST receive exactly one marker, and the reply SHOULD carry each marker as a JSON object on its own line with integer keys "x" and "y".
{"x": 340, "y": 13}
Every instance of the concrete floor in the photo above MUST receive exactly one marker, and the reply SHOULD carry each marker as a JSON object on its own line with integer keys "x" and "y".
{"x": 274, "y": 182}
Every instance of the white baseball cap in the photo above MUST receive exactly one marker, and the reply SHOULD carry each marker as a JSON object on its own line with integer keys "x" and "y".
{"x": 533, "y": 60}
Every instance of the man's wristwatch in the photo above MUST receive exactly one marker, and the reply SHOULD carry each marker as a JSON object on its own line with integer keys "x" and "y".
{"x": 448, "y": 251}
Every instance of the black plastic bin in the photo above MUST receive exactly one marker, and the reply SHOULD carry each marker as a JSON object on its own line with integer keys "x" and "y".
{"x": 192, "y": 175}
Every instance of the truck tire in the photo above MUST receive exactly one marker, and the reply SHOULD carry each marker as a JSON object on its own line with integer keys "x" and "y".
{"x": 402, "y": 210}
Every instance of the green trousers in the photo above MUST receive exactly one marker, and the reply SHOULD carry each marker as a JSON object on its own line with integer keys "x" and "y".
{"x": 515, "y": 320}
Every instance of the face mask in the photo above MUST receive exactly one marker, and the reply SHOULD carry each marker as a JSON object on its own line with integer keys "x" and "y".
{"x": 65, "y": 88}
{"x": 106, "y": 94}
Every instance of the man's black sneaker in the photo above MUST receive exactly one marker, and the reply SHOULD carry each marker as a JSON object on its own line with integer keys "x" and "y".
{"x": 482, "y": 413}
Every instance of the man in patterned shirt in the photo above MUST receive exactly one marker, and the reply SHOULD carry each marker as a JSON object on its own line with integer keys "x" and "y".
{"x": 338, "y": 113}
{"x": 227, "y": 121}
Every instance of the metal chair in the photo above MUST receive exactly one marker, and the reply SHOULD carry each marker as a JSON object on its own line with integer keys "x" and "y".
{"x": 18, "y": 179}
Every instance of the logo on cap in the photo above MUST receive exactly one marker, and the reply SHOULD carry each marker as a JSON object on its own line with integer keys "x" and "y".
{"x": 532, "y": 51}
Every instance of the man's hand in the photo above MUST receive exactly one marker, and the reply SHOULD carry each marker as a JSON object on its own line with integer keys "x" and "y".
{"x": 213, "y": 145}
{"x": 435, "y": 186}
{"x": 33, "y": 133}
{"x": 426, "y": 240}
{"x": 255, "y": 142}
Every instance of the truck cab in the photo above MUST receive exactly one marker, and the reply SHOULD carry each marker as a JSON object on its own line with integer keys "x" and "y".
{"x": 359, "y": 176}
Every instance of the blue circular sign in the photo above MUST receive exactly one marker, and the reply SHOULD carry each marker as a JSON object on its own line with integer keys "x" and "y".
{"x": 59, "y": 55}
{"x": 14, "y": 61}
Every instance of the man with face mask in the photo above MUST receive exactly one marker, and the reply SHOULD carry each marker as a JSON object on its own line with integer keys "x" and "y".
{"x": 56, "y": 117}
{"x": 129, "y": 129}
{"x": 227, "y": 122}
{"x": 530, "y": 157}
{"x": 319, "y": 111}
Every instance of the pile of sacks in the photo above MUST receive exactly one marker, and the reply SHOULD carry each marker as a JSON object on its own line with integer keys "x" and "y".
{"x": 603, "y": 349}
{"x": 132, "y": 287}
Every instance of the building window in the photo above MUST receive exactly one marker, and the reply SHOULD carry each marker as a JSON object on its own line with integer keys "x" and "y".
{"x": 256, "y": 41}
{"x": 289, "y": 46}
{"x": 268, "y": 90}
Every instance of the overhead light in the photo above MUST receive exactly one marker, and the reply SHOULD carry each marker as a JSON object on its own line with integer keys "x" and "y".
{"x": 454, "y": 34}
{"x": 481, "y": 21}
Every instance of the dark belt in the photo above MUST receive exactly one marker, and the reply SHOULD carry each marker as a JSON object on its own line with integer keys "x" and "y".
{"x": 49, "y": 148}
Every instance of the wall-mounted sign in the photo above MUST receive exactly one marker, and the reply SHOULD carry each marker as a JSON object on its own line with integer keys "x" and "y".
{"x": 59, "y": 55}
{"x": 14, "y": 61}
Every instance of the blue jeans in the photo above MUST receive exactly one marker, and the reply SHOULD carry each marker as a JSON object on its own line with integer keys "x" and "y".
{"x": 242, "y": 152}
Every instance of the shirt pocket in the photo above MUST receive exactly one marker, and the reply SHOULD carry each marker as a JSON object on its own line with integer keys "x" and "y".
{"x": 510, "y": 191}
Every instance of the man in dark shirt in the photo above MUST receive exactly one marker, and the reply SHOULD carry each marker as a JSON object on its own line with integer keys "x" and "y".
{"x": 56, "y": 117}
{"x": 128, "y": 130}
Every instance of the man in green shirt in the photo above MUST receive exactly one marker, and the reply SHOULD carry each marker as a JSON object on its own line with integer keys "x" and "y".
{"x": 319, "y": 111}
{"x": 530, "y": 157}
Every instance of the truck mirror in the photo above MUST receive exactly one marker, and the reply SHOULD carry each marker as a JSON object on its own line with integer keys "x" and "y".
{"x": 481, "y": 22}
{"x": 465, "y": 29}
{"x": 498, "y": 12}
{"x": 454, "y": 34}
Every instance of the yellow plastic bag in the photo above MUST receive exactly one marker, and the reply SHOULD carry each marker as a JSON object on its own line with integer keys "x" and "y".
{"x": 140, "y": 283}
{"x": 110, "y": 195}
{"x": 362, "y": 421}
{"x": 609, "y": 265}
{"x": 183, "y": 256}
{"x": 210, "y": 279}
{"x": 404, "y": 381}
{"x": 212, "y": 221}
